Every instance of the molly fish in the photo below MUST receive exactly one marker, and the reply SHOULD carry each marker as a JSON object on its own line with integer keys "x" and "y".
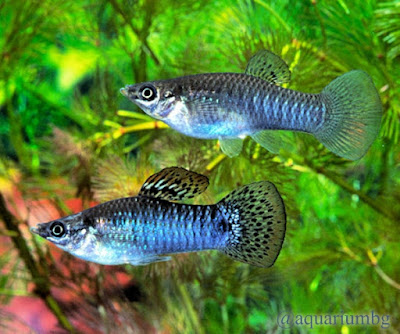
{"x": 345, "y": 116}
{"x": 248, "y": 224}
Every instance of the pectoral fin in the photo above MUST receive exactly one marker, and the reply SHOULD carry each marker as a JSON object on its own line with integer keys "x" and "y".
{"x": 269, "y": 139}
{"x": 205, "y": 106}
{"x": 174, "y": 184}
{"x": 268, "y": 66}
{"x": 231, "y": 146}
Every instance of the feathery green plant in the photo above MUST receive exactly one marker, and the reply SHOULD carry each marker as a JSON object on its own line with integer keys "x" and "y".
{"x": 62, "y": 117}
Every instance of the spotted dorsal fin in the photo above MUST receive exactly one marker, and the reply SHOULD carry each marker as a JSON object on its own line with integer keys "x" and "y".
{"x": 174, "y": 184}
{"x": 268, "y": 66}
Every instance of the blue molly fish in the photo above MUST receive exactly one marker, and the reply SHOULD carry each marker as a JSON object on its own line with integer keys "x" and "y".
{"x": 345, "y": 116}
{"x": 248, "y": 224}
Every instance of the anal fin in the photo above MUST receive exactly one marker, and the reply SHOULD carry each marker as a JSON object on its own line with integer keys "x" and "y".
{"x": 231, "y": 146}
{"x": 143, "y": 261}
{"x": 269, "y": 139}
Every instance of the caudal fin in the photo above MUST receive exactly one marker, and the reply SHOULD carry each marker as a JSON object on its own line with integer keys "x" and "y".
{"x": 353, "y": 115}
{"x": 257, "y": 223}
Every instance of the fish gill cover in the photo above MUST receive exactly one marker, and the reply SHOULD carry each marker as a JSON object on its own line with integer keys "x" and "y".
{"x": 69, "y": 141}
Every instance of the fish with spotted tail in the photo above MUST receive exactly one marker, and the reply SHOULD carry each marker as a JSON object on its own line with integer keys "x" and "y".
{"x": 345, "y": 116}
{"x": 248, "y": 224}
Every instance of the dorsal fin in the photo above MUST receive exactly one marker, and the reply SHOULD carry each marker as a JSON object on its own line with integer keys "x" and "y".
{"x": 268, "y": 66}
{"x": 174, "y": 184}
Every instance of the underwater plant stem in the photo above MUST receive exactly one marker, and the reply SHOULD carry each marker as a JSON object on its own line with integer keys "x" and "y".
{"x": 55, "y": 308}
{"x": 190, "y": 309}
{"x": 42, "y": 287}
{"x": 386, "y": 278}
{"x": 20, "y": 243}
{"x": 215, "y": 162}
{"x": 144, "y": 126}
{"x": 14, "y": 293}
{"x": 225, "y": 318}
{"x": 374, "y": 262}
{"x": 384, "y": 170}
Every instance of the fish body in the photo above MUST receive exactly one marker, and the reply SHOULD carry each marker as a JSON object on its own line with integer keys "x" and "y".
{"x": 345, "y": 116}
{"x": 230, "y": 105}
{"x": 136, "y": 228}
{"x": 248, "y": 225}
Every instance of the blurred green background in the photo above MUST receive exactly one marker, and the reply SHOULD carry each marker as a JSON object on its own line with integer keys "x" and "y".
{"x": 66, "y": 134}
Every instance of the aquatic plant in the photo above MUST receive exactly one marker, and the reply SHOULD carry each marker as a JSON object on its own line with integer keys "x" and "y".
{"x": 68, "y": 139}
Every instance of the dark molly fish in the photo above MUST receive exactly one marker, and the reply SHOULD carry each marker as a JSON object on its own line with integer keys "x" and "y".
{"x": 345, "y": 116}
{"x": 247, "y": 225}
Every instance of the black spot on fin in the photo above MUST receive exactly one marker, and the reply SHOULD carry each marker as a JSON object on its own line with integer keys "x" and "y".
{"x": 268, "y": 66}
{"x": 231, "y": 146}
{"x": 174, "y": 184}
{"x": 257, "y": 218}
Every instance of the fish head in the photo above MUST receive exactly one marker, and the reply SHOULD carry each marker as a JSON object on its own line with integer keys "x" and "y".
{"x": 156, "y": 98}
{"x": 70, "y": 233}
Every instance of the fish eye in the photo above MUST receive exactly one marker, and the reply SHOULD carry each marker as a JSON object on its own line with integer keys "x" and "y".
{"x": 148, "y": 93}
{"x": 57, "y": 229}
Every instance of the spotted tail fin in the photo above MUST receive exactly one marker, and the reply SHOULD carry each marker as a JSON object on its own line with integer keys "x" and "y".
{"x": 257, "y": 219}
{"x": 353, "y": 116}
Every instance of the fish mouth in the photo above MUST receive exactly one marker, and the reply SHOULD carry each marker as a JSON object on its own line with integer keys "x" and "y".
{"x": 34, "y": 230}
{"x": 129, "y": 92}
{"x": 124, "y": 91}
{"x": 39, "y": 229}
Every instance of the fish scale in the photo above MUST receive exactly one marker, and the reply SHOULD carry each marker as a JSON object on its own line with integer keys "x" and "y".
{"x": 150, "y": 222}
{"x": 238, "y": 99}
